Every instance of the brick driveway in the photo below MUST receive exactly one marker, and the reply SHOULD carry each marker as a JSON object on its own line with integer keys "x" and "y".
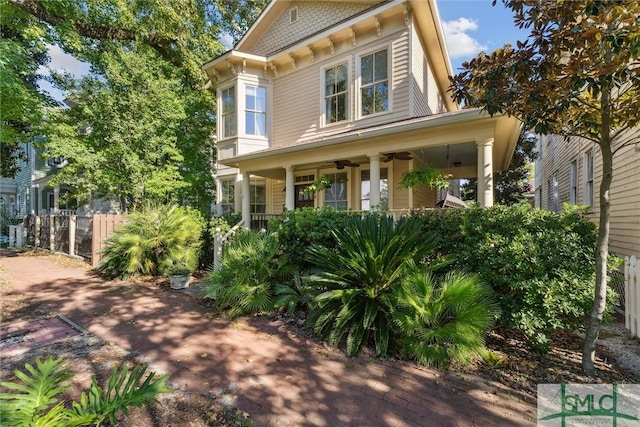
{"x": 281, "y": 377}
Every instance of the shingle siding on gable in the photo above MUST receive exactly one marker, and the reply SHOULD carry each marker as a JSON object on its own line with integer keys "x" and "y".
{"x": 313, "y": 16}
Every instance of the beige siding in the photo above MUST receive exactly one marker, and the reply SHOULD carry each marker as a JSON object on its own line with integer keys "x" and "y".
{"x": 400, "y": 195}
{"x": 557, "y": 156}
{"x": 277, "y": 199}
{"x": 313, "y": 16}
{"x": 424, "y": 91}
{"x": 297, "y": 96}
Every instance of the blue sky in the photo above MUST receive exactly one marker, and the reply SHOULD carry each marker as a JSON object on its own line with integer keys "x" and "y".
{"x": 470, "y": 26}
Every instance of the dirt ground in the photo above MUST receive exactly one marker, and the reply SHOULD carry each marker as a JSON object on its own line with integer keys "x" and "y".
{"x": 517, "y": 367}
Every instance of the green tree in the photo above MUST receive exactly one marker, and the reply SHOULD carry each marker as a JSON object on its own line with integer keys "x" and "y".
{"x": 576, "y": 75}
{"x": 511, "y": 185}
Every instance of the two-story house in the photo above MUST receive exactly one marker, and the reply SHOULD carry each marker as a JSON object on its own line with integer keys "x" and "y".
{"x": 352, "y": 91}
{"x": 571, "y": 172}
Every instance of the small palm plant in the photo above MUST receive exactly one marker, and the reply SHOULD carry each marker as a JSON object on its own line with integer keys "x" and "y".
{"x": 35, "y": 402}
{"x": 358, "y": 279}
{"x": 152, "y": 241}
{"x": 251, "y": 268}
{"x": 443, "y": 322}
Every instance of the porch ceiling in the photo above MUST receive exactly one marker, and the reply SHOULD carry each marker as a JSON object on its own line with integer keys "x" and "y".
{"x": 427, "y": 138}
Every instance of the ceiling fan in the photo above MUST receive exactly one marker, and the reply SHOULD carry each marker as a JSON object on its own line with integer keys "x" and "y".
{"x": 340, "y": 164}
{"x": 401, "y": 155}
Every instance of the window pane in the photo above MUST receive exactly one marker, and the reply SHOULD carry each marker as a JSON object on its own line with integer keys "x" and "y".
{"x": 261, "y": 128}
{"x": 380, "y": 65}
{"x": 341, "y": 78}
{"x": 329, "y": 81}
{"x": 341, "y": 101}
{"x": 261, "y": 102}
{"x": 382, "y": 98}
{"x": 367, "y": 100}
{"x": 250, "y": 97}
{"x": 366, "y": 69}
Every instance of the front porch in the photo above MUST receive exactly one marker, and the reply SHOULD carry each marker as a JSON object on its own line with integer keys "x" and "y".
{"x": 364, "y": 166}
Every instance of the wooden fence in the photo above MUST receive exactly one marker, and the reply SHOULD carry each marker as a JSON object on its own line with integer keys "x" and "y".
{"x": 103, "y": 226}
{"x": 632, "y": 295}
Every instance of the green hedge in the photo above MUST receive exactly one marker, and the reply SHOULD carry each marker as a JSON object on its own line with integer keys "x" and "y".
{"x": 540, "y": 264}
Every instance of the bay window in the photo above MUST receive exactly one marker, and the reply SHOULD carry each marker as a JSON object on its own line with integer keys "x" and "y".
{"x": 255, "y": 111}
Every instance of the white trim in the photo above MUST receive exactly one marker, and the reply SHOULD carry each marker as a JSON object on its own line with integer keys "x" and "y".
{"x": 219, "y": 104}
{"x": 291, "y": 12}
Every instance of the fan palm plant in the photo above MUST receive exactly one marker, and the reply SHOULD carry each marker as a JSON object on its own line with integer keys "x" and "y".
{"x": 251, "y": 269}
{"x": 357, "y": 280}
{"x": 443, "y": 322}
{"x": 152, "y": 241}
{"x": 34, "y": 402}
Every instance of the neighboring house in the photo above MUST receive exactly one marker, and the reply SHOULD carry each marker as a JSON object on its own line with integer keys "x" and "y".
{"x": 354, "y": 91}
{"x": 571, "y": 172}
{"x": 29, "y": 192}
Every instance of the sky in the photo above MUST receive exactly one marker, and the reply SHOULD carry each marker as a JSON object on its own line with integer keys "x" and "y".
{"x": 470, "y": 26}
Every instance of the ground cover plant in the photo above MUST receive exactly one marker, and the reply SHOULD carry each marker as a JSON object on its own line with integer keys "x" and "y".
{"x": 33, "y": 400}
{"x": 153, "y": 241}
{"x": 540, "y": 264}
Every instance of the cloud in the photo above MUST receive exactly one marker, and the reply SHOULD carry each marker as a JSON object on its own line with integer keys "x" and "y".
{"x": 227, "y": 40}
{"x": 61, "y": 61}
{"x": 459, "y": 43}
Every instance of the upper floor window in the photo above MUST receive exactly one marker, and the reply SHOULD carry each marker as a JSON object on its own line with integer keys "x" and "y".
{"x": 255, "y": 110}
{"x": 335, "y": 93}
{"x": 374, "y": 86}
{"x": 588, "y": 178}
{"x": 573, "y": 182}
{"x": 228, "y": 108}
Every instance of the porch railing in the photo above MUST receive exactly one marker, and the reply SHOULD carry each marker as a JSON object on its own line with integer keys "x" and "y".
{"x": 218, "y": 242}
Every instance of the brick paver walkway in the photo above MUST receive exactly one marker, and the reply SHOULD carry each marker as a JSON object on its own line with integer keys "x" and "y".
{"x": 281, "y": 377}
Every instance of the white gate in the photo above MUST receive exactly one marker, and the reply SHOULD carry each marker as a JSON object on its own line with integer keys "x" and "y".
{"x": 632, "y": 299}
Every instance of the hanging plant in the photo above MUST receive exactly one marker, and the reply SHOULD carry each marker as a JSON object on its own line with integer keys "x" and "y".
{"x": 322, "y": 183}
{"x": 425, "y": 175}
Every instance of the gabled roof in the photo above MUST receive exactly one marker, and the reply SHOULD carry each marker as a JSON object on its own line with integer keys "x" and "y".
{"x": 426, "y": 18}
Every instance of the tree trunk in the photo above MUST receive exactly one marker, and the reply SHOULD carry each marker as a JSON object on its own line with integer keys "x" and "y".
{"x": 602, "y": 250}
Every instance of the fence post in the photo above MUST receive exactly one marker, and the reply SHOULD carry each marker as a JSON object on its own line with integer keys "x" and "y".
{"x": 217, "y": 249}
{"x": 12, "y": 236}
{"x": 19, "y": 236}
{"x": 36, "y": 228}
{"x": 72, "y": 235}
{"x": 52, "y": 233}
{"x": 635, "y": 284}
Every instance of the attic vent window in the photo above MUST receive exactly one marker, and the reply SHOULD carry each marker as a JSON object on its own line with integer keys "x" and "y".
{"x": 293, "y": 14}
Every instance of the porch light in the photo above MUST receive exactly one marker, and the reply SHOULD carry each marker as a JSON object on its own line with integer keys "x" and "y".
{"x": 457, "y": 164}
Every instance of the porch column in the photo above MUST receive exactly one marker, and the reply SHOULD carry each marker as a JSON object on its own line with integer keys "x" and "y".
{"x": 33, "y": 200}
{"x": 374, "y": 180}
{"x": 485, "y": 172}
{"x": 237, "y": 193}
{"x": 246, "y": 199}
{"x": 218, "y": 205}
{"x": 290, "y": 190}
{"x": 56, "y": 196}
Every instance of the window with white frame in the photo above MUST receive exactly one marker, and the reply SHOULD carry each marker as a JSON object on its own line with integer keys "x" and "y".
{"x": 336, "y": 195}
{"x": 258, "y": 197}
{"x": 573, "y": 182}
{"x": 365, "y": 190}
{"x": 293, "y": 14}
{"x": 588, "y": 178}
{"x": 255, "y": 111}
{"x": 228, "y": 199}
{"x": 335, "y": 93}
{"x": 228, "y": 115}
{"x": 552, "y": 193}
{"x": 374, "y": 83}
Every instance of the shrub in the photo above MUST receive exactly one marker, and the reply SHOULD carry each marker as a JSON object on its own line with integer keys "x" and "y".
{"x": 152, "y": 241}
{"x": 224, "y": 223}
{"x": 357, "y": 280}
{"x": 250, "y": 270}
{"x": 442, "y": 323}
{"x": 34, "y": 402}
{"x": 299, "y": 229}
{"x": 540, "y": 264}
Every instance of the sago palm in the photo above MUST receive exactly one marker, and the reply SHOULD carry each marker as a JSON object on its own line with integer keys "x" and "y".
{"x": 249, "y": 273}
{"x": 442, "y": 322}
{"x": 373, "y": 254}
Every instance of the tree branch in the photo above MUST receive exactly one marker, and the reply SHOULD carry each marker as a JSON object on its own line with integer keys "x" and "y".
{"x": 161, "y": 44}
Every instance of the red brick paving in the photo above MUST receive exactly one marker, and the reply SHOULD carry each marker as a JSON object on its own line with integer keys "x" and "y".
{"x": 280, "y": 377}
{"x": 36, "y": 333}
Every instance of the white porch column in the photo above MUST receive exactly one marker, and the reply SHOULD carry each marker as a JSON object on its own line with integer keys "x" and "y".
{"x": 34, "y": 199}
{"x": 374, "y": 179}
{"x": 290, "y": 189}
{"x": 485, "y": 172}
{"x": 56, "y": 196}
{"x": 237, "y": 190}
{"x": 246, "y": 200}
{"x": 219, "y": 210}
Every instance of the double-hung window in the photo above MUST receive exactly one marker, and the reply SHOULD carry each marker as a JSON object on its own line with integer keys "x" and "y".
{"x": 573, "y": 182}
{"x": 336, "y": 195}
{"x": 588, "y": 178}
{"x": 374, "y": 84}
{"x": 255, "y": 111}
{"x": 228, "y": 108}
{"x": 258, "y": 197}
{"x": 228, "y": 196}
{"x": 335, "y": 93}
